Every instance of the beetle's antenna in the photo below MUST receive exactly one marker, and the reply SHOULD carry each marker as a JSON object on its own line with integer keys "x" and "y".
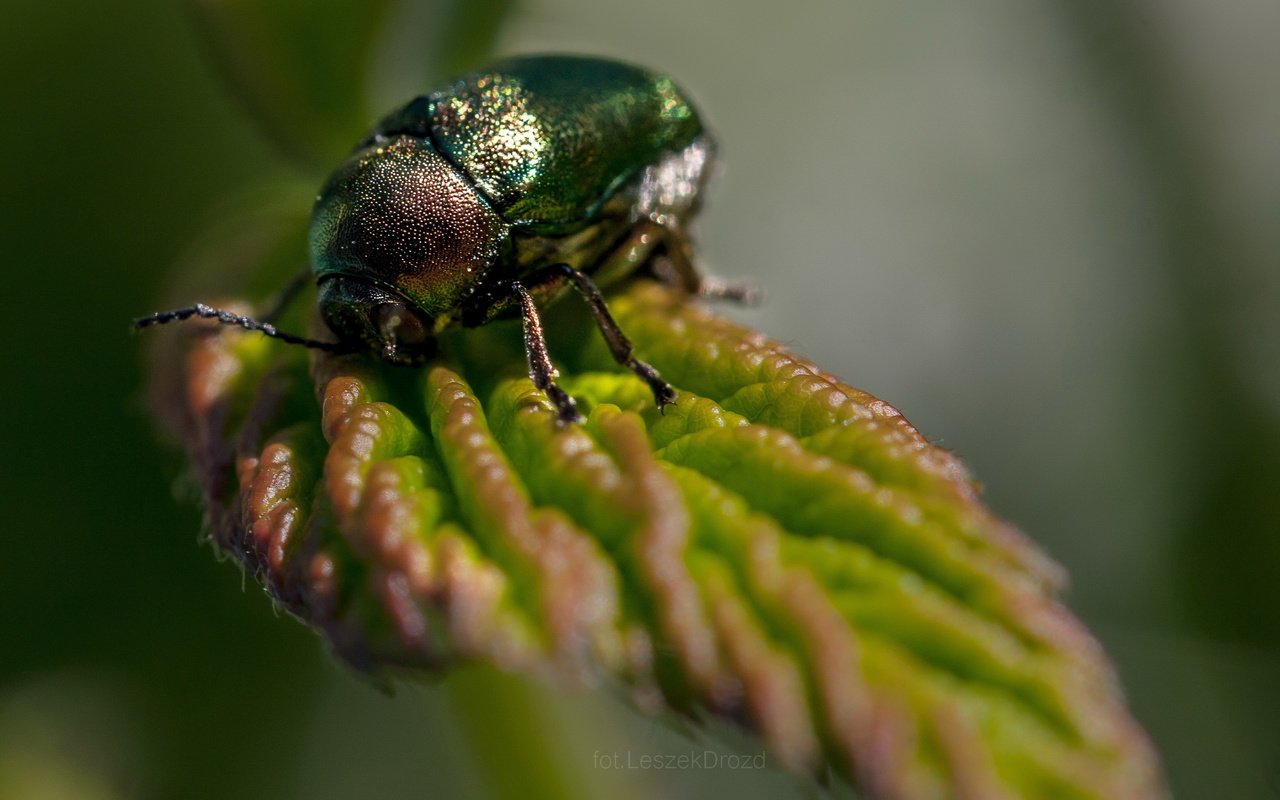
{"x": 239, "y": 320}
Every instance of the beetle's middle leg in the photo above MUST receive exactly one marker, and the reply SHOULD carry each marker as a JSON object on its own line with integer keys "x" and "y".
{"x": 619, "y": 344}
{"x": 541, "y": 370}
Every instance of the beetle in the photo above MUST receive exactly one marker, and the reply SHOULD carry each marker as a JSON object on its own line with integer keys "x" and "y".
{"x": 497, "y": 193}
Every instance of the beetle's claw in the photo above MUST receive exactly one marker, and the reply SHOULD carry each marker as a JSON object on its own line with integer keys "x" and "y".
{"x": 664, "y": 396}
{"x": 568, "y": 416}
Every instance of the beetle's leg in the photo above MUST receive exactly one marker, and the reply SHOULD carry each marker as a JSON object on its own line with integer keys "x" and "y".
{"x": 681, "y": 272}
{"x": 286, "y": 295}
{"x": 239, "y": 320}
{"x": 619, "y": 344}
{"x": 741, "y": 292}
{"x": 541, "y": 370}
{"x": 675, "y": 264}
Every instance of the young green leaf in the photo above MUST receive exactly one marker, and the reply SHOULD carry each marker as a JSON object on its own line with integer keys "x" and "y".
{"x": 777, "y": 548}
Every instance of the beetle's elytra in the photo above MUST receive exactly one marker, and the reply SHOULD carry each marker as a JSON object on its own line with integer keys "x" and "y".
{"x": 495, "y": 194}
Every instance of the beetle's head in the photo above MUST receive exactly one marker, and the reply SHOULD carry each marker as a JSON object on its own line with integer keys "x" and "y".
{"x": 399, "y": 241}
{"x": 359, "y": 310}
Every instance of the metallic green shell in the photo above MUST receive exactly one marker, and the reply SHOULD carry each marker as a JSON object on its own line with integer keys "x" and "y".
{"x": 548, "y": 139}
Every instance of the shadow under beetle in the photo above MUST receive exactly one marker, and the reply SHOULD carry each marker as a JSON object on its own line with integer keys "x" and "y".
{"x": 496, "y": 193}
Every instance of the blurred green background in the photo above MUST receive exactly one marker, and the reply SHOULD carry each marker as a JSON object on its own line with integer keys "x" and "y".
{"x": 1045, "y": 230}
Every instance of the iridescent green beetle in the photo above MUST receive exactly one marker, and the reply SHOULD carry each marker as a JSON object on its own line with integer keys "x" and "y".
{"x": 496, "y": 193}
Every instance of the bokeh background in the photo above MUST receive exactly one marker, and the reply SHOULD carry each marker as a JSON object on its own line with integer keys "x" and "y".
{"x": 1045, "y": 229}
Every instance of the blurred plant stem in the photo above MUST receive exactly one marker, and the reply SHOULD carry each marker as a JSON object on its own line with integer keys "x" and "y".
{"x": 1228, "y": 553}
{"x": 517, "y": 739}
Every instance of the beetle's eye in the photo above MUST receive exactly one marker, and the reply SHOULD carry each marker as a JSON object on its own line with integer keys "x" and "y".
{"x": 399, "y": 324}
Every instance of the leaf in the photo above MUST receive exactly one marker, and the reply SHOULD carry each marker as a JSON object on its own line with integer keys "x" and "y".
{"x": 778, "y": 548}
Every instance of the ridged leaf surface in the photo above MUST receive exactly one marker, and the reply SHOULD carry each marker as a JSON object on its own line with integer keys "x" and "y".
{"x": 778, "y": 548}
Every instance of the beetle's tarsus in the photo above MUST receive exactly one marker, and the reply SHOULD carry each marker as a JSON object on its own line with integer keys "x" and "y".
{"x": 664, "y": 400}
{"x": 663, "y": 394}
{"x": 741, "y": 292}
{"x": 566, "y": 409}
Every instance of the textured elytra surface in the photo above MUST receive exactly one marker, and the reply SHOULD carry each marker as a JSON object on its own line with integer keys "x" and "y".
{"x": 777, "y": 548}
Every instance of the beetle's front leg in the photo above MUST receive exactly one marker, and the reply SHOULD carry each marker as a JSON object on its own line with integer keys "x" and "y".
{"x": 619, "y": 344}
{"x": 541, "y": 370}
